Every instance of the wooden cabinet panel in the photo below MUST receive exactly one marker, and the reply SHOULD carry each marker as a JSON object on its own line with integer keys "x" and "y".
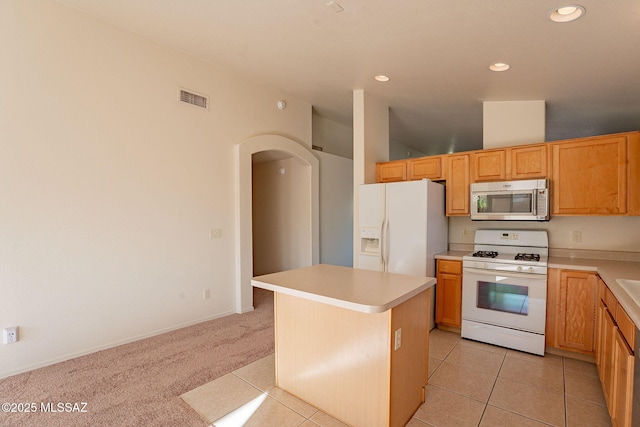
{"x": 633, "y": 173}
{"x": 600, "y": 310}
{"x": 457, "y": 186}
{"x": 623, "y": 382}
{"x": 626, "y": 325}
{"x": 528, "y": 162}
{"x": 449, "y": 293}
{"x": 614, "y": 355}
{"x": 426, "y": 167}
{"x": 575, "y": 323}
{"x": 489, "y": 165}
{"x": 450, "y": 266}
{"x": 607, "y": 376}
{"x": 610, "y": 301}
{"x": 391, "y": 171}
{"x": 590, "y": 176}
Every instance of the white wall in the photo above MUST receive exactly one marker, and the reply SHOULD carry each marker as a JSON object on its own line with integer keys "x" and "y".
{"x": 333, "y": 137}
{"x": 599, "y": 233}
{"x": 280, "y": 215}
{"x": 109, "y": 186}
{"x": 508, "y": 123}
{"x": 336, "y": 209}
{"x": 399, "y": 151}
{"x": 370, "y": 145}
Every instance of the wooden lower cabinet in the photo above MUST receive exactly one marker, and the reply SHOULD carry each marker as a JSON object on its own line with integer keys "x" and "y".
{"x": 572, "y": 297}
{"x": 623, "y": 382}
{"x": 614, "y": 358}
{"x": 607, "y": 376}
{"x": 449, "y": 293}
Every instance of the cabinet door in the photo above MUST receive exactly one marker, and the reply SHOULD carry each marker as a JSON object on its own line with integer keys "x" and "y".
{"x": 576, "y": 315}
{"x": 457, "y": 185}
{"x": 626, "y": 325}
{"x": 391, "y": 171}
{"x": 590, "y": 176}
{"x": 528, "y": 162}
{"x": 489, "y": 165}
{"x": 599, "y": 344}
{"x": 608, "y": 361}
{"x": 623, "y": 383}
{"x": 426, "y": 167}
{"x": 449, "y": 299}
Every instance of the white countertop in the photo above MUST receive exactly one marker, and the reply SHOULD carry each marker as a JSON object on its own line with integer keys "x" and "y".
{"x": 352, "y": 288}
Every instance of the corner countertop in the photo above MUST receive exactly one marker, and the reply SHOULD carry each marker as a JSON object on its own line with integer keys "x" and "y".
{"x": 355, "y": 289}
{"x": 609, "y": 270}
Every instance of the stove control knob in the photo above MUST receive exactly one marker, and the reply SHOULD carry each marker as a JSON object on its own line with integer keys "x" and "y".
{"x": 530, "y": 269}
{"x": 519, "y": 268}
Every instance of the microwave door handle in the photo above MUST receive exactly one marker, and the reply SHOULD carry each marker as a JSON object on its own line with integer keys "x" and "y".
{"x": 534, "y": 202}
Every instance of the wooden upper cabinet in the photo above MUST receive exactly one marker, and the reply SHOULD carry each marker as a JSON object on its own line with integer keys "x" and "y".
{"x": 431, "y": 167}
{"x": 590, "y": 176}
{"x": 391, "y": 171}
{"x": 457, "y": 186}
{"x": 528, "y": 162}
{"x": 489, "y": 165}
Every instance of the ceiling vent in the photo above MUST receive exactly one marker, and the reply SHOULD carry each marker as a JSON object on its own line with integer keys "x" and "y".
{"x": 195, "y": 99}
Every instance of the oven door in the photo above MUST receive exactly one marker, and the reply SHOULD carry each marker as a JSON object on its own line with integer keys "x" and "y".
{"x": 511, "y": 300}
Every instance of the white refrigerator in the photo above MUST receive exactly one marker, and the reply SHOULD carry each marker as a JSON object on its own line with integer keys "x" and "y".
{"x": 402, "y": 226}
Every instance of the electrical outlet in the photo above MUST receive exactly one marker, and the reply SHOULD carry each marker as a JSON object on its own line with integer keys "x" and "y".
{"x": 465, "y": 232}
{"x": 215, "y": 233}
{"x": 398, "y": 339}
{"x": 10, "y": 335}
{"x": 576, "y": 236}
{"x": 206, "y": 294}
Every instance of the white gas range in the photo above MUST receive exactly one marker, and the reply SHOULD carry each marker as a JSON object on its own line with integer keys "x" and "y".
{"x": 504, "y": 289}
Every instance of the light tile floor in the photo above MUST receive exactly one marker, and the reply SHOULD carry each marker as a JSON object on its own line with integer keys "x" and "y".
{"x": 470, "y": 384}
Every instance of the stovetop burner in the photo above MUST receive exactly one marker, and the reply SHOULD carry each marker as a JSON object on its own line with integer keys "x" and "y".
{"x": 485, "y": 254}
{"x": 527, "y": 257}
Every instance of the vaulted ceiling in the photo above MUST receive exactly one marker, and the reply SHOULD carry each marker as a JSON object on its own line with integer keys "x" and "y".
{"x": 436, "y": 53}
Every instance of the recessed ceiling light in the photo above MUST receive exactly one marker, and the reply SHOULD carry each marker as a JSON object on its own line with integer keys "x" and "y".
{"x": 499, "y": 66}
{"x": 567, "y": 13}
{"x": 381, "y": 78}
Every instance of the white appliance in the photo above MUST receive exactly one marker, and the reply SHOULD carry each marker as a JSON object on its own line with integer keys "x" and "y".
{"x": 402, "y": 226}
{"x": 526, "y": 200}
{"x": 504, "y": 289}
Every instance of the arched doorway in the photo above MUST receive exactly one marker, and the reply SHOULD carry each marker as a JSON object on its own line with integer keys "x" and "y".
{"x": 244, "y": 152}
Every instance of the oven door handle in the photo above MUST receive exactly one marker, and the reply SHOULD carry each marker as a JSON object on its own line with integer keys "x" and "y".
{"x": 528, "y": 276}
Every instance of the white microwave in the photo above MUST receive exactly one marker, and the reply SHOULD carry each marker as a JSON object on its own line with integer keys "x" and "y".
{"x": 526, "y": 200}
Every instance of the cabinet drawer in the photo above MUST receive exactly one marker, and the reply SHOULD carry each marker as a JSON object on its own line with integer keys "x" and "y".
{"x": 451, "y": 267}
{"x": 610, "y": 300}
{"x": 626, "y": 326}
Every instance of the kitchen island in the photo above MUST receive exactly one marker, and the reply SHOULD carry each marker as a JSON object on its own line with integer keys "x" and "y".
{"x": 351, "y": 342}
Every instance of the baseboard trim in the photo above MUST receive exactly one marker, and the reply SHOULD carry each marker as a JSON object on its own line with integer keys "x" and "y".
{"x": 69, "y": 356}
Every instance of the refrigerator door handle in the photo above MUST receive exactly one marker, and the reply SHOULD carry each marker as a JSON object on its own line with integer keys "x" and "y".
{"x": 384, "y": 245}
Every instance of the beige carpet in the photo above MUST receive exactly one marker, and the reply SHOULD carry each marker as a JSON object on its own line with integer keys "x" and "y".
{"x": 139, "y": 384}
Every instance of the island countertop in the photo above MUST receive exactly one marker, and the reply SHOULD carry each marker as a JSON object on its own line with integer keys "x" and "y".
{"x": 356, "y": 289}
